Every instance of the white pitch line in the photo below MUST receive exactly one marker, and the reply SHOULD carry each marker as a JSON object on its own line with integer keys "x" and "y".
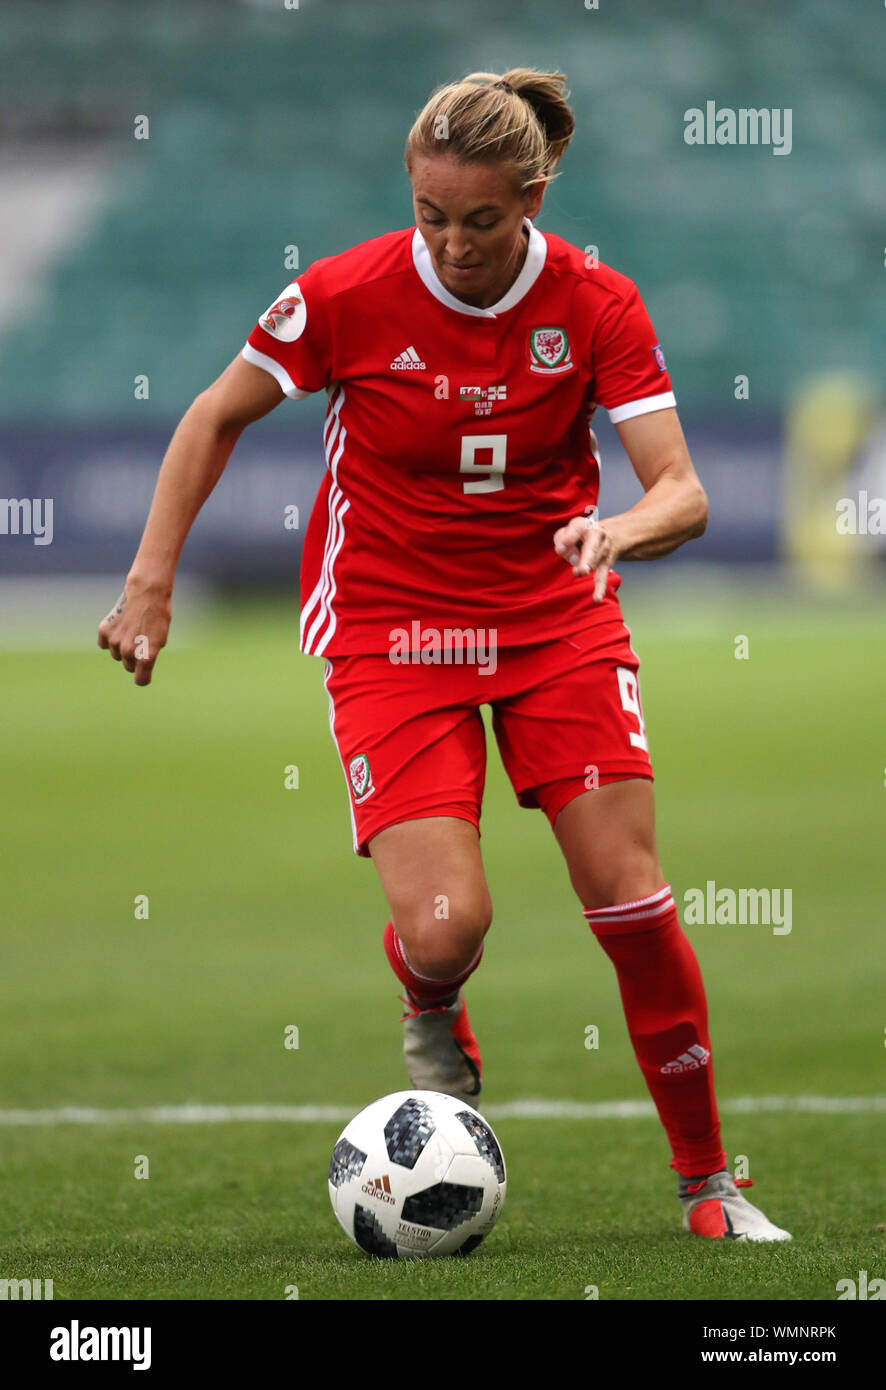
{"x": 195, "y": 1114}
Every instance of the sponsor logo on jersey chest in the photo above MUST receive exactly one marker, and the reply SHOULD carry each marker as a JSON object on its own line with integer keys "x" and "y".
{"x": 408, "y": 361}
{"x": 549, "y": 350}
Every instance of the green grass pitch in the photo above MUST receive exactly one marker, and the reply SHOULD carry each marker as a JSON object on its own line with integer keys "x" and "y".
{"x": 770, "y": 773}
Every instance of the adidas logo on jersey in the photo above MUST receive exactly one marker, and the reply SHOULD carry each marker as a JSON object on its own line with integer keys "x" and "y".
{"x": 408, "y": 361}
{"x": 696, "y": 1056}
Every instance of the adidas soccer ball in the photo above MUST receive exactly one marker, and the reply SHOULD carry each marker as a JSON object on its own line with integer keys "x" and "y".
{"x": 417, "y": 1173}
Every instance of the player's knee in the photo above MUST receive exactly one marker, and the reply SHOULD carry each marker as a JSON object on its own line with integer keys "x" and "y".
{"x": 442, "y": 943}
{"x": 622, "y": 879}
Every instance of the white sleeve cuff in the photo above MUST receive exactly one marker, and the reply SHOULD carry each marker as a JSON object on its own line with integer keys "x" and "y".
{"x": 280, "y": 374}
{"x": 645, "y": 406}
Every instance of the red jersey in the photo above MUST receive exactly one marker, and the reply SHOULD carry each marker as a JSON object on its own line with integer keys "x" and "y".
{"x": 457, "y": 439}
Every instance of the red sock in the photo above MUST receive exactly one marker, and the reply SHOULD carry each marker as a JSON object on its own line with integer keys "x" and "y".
{"x": 424, "y": 990}
{"x": 664, "y": 1003}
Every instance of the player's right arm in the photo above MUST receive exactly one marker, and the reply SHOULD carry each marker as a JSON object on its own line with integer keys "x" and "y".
{"x": 136, "y": 628}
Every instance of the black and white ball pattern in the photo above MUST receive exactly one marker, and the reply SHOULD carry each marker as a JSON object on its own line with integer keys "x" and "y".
{"x": 417, "y": 1174}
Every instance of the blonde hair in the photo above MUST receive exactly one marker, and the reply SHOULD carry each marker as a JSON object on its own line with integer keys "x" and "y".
{"x": 521, "y": 118}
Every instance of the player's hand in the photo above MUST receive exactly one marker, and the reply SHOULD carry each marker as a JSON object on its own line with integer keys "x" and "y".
{"x": 135, "y": 630}
{"x": 589, "y": 547}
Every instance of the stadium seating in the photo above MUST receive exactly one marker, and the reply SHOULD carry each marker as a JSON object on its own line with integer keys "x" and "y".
{"x": 748, "y": 262}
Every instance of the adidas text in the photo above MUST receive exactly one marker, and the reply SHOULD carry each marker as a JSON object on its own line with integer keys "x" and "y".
{"x": 692, "y": 1059}
{"x": 408, "y": 361}
{"x": 380, "y": 1189}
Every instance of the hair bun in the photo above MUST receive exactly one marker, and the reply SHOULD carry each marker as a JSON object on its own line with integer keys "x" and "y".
{"x": 481, "y": 128}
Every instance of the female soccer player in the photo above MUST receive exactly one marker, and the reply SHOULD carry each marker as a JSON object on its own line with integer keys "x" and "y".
{"x": 454, "y": 557}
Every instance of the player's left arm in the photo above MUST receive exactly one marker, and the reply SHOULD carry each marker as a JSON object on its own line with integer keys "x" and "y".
{"x": 673, "y": 509}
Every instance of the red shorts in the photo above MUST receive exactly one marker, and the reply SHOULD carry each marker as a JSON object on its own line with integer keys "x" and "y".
{"x": 566, "y": 714}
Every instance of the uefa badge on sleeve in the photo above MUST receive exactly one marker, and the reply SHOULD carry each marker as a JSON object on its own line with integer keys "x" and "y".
{"x": 549, "y": 351}
{"x": 286, "y": 317}
{"x": 360, "y": 778}
{"x": 659, "y": 358}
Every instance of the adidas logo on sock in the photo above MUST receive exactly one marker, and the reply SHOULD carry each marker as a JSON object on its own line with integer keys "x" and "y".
{"x": 696, "y": 1056}
{"x": 408, "y": 361}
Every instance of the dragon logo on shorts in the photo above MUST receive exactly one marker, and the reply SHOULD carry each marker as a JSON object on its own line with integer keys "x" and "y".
{"x": 549, "y": 350}
{"x": 360, "y": 778}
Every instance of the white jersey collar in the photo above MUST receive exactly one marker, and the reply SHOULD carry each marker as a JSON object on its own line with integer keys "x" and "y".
{"x": 532, "y": 268}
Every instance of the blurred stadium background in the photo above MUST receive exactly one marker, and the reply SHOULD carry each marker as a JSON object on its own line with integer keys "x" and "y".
{"x": 132, "y": 272}
{"x": 271, "y": 128}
